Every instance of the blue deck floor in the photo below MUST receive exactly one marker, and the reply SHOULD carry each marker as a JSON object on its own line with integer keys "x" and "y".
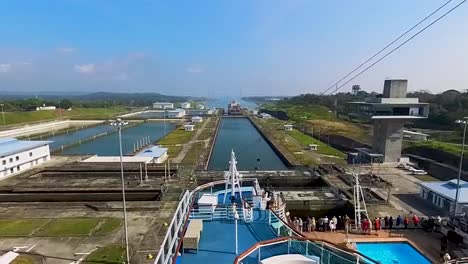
{"x": 217, "y": 243}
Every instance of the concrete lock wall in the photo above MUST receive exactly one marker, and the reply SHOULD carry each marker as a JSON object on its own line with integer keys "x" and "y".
{"x": 387, "y": 139}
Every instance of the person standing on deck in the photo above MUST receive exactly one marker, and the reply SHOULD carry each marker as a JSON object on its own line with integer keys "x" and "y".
{"x": 346, "y": 223}
{"x": 415, "y": 220}
{"x": 399, "y": 221}
{"x": 308, "y": 224}
{"x": 386, "y": 222}
{"x": 300, "y": 225}
{"x": 320, "y": 224}
{"x": 390, "y": 222}
{"x": 406, "y": 222}
{"x": 313, "y": 223}
{"x": 377, "y": 224}
{"x": 325, "y": 223}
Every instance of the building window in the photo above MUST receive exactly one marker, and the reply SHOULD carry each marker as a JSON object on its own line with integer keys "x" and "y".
{"x": 11, "y": 160}
{"x": 30, "y": 154}
{"x": 11, "y": 170}
{"x": 3, "y": 162}
{"x": 17, "y": 158}
{"x": 17, "y": 168}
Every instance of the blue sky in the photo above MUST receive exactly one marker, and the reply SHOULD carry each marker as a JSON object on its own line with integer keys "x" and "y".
{"x": 223, "y": 47}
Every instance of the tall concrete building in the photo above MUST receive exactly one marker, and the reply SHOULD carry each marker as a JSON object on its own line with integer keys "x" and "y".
{"x": 388, "y": 115}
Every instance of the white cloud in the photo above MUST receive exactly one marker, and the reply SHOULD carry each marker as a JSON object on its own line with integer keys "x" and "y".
{"x": 5, "y": 68}
{"x": 85, "y": 68}
{"x": 66, "y": 50}
{"x": 194, "y": 69}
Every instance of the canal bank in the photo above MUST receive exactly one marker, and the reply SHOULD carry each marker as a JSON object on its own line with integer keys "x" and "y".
{"x": 108, "y": 145}
{"x": 252, "y": 149}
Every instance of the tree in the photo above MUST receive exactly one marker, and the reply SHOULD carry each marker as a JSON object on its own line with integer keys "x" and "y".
{"x": 66, "y": 104}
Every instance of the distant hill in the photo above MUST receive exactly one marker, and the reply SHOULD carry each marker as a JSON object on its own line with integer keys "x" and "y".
{"x": 121, "y": 98}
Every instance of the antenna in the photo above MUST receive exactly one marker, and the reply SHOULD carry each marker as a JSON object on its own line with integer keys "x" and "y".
{"x": 233, "y": 178}
{"x": 359, "y": 202}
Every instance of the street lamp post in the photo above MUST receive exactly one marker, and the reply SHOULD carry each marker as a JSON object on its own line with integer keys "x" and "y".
{"x": 3, "y": 115}
{"x": 463, "y": 121}
{"x": 120, "y": 123}
{"x": 236, "y": 217}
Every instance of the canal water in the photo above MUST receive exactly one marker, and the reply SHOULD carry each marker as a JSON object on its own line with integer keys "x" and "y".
{"x": 109, "y": 145}
{"x": 64, "y": 139}
{"x": 240, "y": 134}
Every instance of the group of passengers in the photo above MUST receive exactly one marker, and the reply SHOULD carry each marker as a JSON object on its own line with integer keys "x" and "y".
{"x": 310, "y": 224}
{"x": 322, "y": 224}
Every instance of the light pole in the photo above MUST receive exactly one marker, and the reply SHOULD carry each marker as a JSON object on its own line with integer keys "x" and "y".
{"x": 463, "y": 121}
{"x": 236, "y": 217}
{"x": 119, "y": 123}
{"x": 3, "y": 115}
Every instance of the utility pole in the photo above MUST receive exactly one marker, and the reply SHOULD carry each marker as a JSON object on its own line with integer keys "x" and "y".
{"x": 460, "y": 167}
{"x": 119, "y": 123}
{"x": 3, "y": 115}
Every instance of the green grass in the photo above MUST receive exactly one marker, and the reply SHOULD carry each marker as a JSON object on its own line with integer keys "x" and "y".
{"x": 109, "y": 226}
{"x": 69, "y": 227}
{"x": 322, "y": 148}
{"x": 447, "y": 147}
{"x": 20, "y": 227}
{"x": 191, "y": 156}
{"x": 23, "y": 260}
{"x": 178, "y": 136}
{"x": 107, "y": 254}
{"x": 426, "y": 178}
{"x": 206, "y": 134}
{"x": 12, "y": 118}
{"x": 298, "y": 112}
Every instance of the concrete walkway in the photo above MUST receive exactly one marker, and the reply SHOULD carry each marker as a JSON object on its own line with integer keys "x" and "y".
{"x": 186, "y": 147}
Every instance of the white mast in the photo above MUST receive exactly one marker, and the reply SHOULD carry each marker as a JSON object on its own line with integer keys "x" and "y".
{"x": 233, "y": 178}
{"x": 359, "y": 202}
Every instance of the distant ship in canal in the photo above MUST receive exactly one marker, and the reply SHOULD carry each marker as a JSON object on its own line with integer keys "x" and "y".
{"x": 234, "y": 108}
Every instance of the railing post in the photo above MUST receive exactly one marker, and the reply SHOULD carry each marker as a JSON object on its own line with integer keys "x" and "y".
{"x": 289, "y": 244}
{"x": 269, "y": 217}
{"x": 307, "y": 248}
{"x": 259, "y": 256}
{"x": 357, "y": 259}
{"x": 321, "y": 254}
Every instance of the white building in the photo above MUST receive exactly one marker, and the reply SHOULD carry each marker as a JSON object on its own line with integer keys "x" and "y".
{"x": 185, "y": 105}
{"x": 265, "y": 115}
{"x": 20, "y": 155}
{"x": 176, "y": 113}
{"x": 158, "y": 154}
{"x": 442, "y": 194}
{"x": 44, "y": 107}
{"x": 163, "y": 105}
{"x": 288, "y": 127}
{"x": 201, "y": 107}
{"x": 313, "y": 147}
{"x": 189, "y": 127}
{"x": 197, "y": 119}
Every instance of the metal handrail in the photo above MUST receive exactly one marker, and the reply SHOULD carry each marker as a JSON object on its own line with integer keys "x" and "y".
{"x": 280, "y": 240}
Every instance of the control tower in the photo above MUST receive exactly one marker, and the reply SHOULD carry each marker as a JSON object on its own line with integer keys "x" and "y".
{"x": 388, "y": 115}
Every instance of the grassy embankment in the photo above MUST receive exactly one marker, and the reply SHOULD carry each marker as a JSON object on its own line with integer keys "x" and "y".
{"x": 199, "y": 150}
{"x": 317, "y": 119}
{"x": 295, "y": 142}
{"x": 434, "y": 144}
{"x": 60, "y": 227}
{"x": 174, "y": 140}
{"x": 12, "y": 118}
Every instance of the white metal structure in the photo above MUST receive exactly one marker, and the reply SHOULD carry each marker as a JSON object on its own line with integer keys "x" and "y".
{"x": 233, "y": 178}
{"x": 359, "y": 202}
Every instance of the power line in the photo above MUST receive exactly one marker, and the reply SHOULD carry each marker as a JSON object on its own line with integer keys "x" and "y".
{"x": 388, "y": 45}
{"x": 397, "y": 47}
